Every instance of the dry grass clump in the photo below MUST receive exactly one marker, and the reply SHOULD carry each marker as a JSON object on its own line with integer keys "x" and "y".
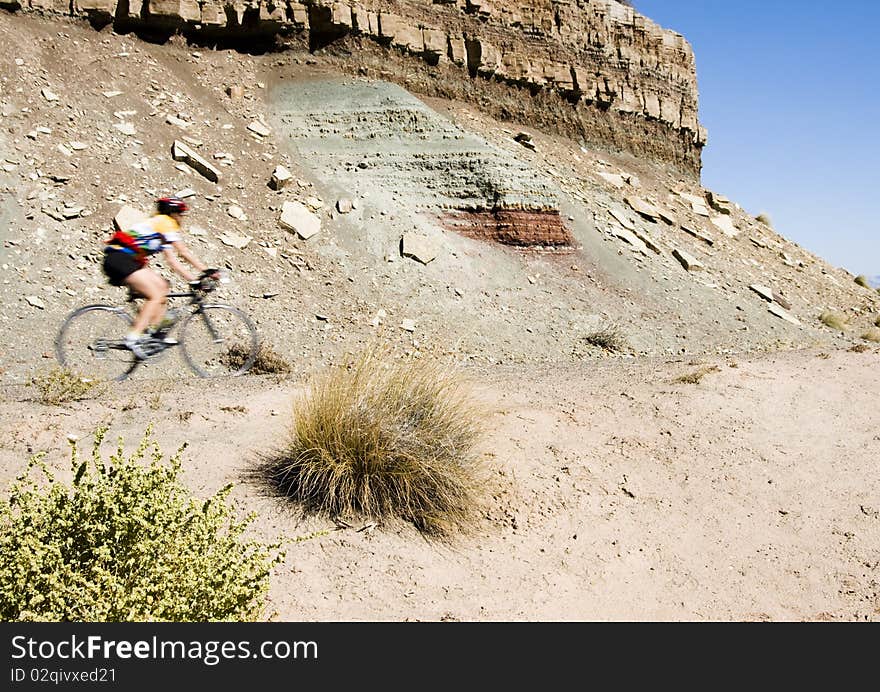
{"x": 873, "y": 334}
{"x": 62, "y": 385}
{"x": 697, "y": 375}
{"x": 835, "y": 320}
{"x": 862, "y": 281}
{"x": 859, "y": 348}
{"x": 765, "y": 219}
{"x": 385, "y": 438}
{"x": 608, "y": 338}
{"x": 267, "y": 362}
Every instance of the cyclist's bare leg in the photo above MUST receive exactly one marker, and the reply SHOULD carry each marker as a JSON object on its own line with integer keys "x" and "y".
{"x": 155, "y": 289}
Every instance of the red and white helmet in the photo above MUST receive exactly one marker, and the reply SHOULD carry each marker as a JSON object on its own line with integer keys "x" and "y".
{"x": 171, "y": 205}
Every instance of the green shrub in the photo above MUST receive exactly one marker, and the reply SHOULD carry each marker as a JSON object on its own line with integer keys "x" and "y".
{"x": 383, "y": 437}
{"x": 61, "y": 385}
{"x": 124, "y": 541}
{"x": 862, "y": 281}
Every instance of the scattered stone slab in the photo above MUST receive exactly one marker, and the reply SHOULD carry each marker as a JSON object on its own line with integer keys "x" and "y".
{"x": 111, "y": 94}
{"x": 687, "y": 260}
{"x": 49, "y": 95}
{"x": 614, "y": 179}
{"x": 725, "y": 225}
{"x": 418, "y": 247}
{"x": 259, "y": 128}
{"x": 667, "y": 217}
{"x": 719, "y": 203}
{"x": 649, "y": 241}
{"x": 783, "y": 314}
{"x": 314, "y": 203}
{"x": 280, "y": 177}
{"x": 125, "y": 128}
{"x": 640, "y": 206}
{"x": 236, "y": 212}
{"x": 621, "y": 218}
{"x": 757, "y": 242}
{"x": 763, "y": 291}
{"x": 36, "y": 302}
{"x": 525, "y": 139}
{"x": 64, "y": 150}
{"x": 344, "y": 206}
{"x": 235, "y": 92}
{"x": 408, "y": 325}
{"x": 78, "y": 146}
{"x": 177, "y": 122}
{"x": 186, "y": 192}
{"x": 632, "y": 239}
{"x": 299, "y": 219}
{"x": 127, "y": 217}
{"x": 239, "y": 242}
{"x": 379, "y": 317}
{"x": 181, "y": 152}
{"x": 699, "y": 235}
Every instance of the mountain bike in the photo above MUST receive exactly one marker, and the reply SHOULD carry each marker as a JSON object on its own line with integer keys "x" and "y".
{"x": 216, "y": 340}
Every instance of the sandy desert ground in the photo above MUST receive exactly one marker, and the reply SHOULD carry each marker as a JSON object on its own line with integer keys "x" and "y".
{"x": 616, "y": 492}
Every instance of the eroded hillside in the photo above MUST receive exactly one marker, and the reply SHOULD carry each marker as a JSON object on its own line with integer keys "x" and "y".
{"x": 90, "y": 121}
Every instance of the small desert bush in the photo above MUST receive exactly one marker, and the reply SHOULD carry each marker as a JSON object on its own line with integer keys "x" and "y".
{"x": 124, "y": 541}
{"x": 835, "y": 320}
{"x": 267, "y": 362}
{"x": 697, "y": 375}
{"x": 873, "y": 334}
{"x": 765, "y": 219}
{"x": 862, "y": 281}
{"x": 62, "y": 385}
{"x": 385, "y": 437}
{"x": 609, "y": 338}
{"x": 877, "y": 321}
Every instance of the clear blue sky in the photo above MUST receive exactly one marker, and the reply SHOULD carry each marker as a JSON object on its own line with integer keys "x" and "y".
{"x": 790, "y": 94}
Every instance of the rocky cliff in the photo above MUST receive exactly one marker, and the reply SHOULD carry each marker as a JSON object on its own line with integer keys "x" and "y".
{"x": 594, "y": 69}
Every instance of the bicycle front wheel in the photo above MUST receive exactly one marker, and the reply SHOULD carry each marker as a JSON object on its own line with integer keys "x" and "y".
{"x": 219, "y": 341}
{"x": 91, "y": 342}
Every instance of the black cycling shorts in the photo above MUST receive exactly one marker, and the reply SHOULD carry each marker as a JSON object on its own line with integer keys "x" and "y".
{"x": 119, "y": 265}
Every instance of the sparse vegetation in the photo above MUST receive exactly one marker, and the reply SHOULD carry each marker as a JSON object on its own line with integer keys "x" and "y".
{"x": 859, "y": 348}
{"x": 862, "y": 281}
{"x": 124, "y": 541}
{"x": 267, "y": 362}
{"x": 697, "y": 375}
{"x": 382, "y": 438}
{"x": 873, "y": 334}
{"x": 835, "y": 320}
{"x": 877, "y": 321}
{"x": 62, "y": 385}
{"x": 609, "y": 338}
{"x": 765, "y": 219}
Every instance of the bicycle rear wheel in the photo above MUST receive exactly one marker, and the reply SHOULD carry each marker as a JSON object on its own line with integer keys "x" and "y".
{"x": 219, "y": 341}
{"x": 91, "y": 342}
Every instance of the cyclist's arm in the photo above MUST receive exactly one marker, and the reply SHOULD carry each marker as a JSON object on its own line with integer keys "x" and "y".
{"x": 178, "y": 248}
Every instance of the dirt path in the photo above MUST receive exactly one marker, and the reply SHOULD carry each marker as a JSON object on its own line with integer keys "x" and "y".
{"x": 616, "y": 493}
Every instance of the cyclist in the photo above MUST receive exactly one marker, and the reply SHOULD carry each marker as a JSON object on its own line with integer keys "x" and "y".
{"x": 126, "y": 258}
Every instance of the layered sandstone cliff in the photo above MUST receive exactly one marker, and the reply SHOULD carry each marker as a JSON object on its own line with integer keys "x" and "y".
{"x": 602, "y": 70}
